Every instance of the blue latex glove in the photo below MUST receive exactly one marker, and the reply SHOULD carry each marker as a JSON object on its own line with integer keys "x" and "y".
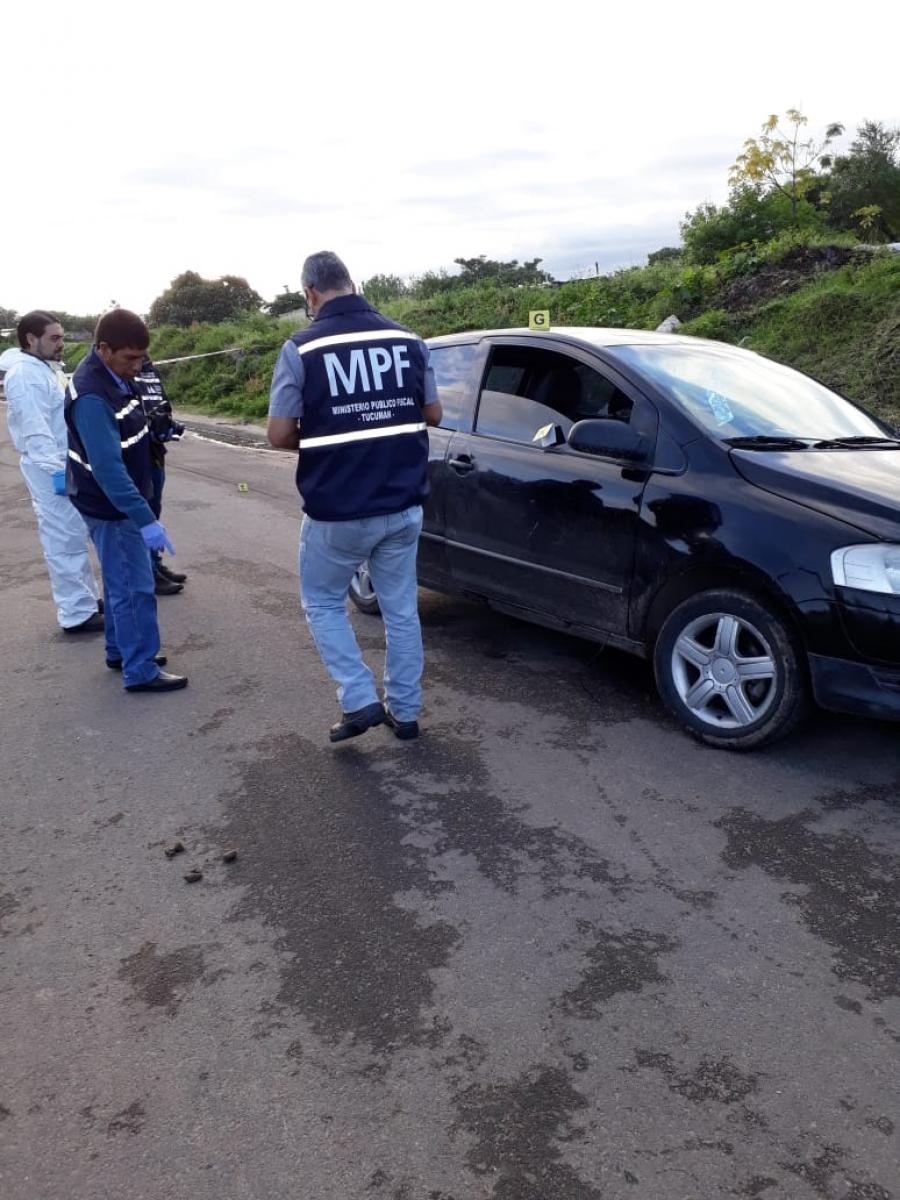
{"x": 59, "y": 482}
{"x": 156, "y": 538}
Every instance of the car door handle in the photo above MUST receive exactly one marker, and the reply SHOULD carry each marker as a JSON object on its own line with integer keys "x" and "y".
{"x": 462, "y": 465}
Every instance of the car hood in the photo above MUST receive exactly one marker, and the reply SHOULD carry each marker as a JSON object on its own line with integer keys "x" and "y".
{"x": 858, "y": 487}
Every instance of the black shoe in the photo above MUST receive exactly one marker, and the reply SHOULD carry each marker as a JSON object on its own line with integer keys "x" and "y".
{"x": 115, "y": 664}
{"x": 404, "y": 730}
{"x": 352, "y": 724}
{"x": 94, "y": 624}
{"x": 165, "y": 587}
{"x": 168, "y": 573}
{"x": 164, "y": 682}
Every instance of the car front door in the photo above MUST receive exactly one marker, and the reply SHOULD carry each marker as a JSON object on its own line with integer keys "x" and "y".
{"x": 550, "y": 531}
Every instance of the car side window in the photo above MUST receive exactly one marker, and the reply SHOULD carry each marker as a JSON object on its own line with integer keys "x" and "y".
{"x": 453, "y": 367}
{"x": 526, "y": 388}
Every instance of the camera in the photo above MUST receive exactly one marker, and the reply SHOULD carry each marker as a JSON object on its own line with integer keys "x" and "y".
{"x": 162, "y": 426}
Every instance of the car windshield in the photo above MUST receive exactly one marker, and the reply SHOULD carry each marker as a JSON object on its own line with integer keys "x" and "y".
{"x": 735, "y": 394}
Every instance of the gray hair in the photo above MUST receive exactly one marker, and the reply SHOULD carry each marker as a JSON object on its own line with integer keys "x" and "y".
{"x": 325, "y": 272}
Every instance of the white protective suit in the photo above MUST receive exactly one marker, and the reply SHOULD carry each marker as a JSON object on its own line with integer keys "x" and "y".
{"x": 35, "y": 392}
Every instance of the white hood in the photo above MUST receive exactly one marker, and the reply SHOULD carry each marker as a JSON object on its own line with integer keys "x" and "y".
{"x": 9, "y": 358}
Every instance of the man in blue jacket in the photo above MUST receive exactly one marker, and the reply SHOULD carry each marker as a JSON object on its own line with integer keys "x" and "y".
{"x": 354, "y": 393}
{"x": 109, "y": 482}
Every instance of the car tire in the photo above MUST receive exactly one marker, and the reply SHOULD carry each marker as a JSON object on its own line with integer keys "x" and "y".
{"x": 361, "y": 592}
{"x": 731, "y": 670}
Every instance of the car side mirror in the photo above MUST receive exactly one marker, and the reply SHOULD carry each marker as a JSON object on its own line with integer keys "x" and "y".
{"x": 549, "y": 436}
{"x": 610, "y": 438}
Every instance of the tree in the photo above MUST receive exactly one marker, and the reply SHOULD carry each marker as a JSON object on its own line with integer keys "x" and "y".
{"x": 665, "y": 254}
{"x": 8, "y": 318}
{"x": 752, "y": 214}
{"x": 383, "y": 287}
{"x": 504, "y": 274}
{"x": 780, "y": 160}
{"x": 190, "y": 297}
{"x": 286, "y": 302}
{"x": 867, "y": 177}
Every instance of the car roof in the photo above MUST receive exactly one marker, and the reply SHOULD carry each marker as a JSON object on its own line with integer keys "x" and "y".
{"x": 586, "y": 335}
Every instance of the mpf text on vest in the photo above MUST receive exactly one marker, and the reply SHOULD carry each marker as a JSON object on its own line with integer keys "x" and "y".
{"x": 356, "y": 377}
{"x": 374, "y": 410}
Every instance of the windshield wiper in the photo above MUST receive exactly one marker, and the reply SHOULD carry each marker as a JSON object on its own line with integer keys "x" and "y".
{"x": 765, "y": 441}
{"x": 856, "y": 443}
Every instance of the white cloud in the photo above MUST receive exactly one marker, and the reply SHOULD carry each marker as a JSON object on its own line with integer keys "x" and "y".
{"x": 146, "y": 141}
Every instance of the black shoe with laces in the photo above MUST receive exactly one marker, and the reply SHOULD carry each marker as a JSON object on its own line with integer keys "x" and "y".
{"x": 352, "y": 724}
{"x": 404, "y": 730}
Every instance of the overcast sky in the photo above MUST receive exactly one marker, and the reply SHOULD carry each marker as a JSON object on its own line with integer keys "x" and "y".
{"x": 145, "y": 140}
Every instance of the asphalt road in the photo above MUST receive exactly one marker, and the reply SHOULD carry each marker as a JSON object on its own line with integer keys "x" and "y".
{"x": 554, "y": 950}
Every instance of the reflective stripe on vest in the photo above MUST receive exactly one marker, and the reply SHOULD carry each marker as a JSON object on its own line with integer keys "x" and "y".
{"x": 123, "y": 412}
{"x": 77, "y": 458}
{"x": 368, "y": 335}
{"x": 360, "y": 435}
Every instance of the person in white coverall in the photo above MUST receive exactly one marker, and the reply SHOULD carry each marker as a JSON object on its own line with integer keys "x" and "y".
{"x": 34, "y": 387}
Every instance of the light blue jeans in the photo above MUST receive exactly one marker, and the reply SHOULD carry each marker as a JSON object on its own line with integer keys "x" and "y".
{"x": 330, "y": 552}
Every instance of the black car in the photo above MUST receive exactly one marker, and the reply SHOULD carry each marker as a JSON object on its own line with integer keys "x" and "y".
{"x": 678, "y": 498}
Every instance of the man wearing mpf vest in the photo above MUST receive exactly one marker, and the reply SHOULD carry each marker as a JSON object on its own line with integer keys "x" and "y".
{"x": 353, "y": 392}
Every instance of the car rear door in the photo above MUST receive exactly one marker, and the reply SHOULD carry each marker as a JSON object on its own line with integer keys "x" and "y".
{"x": 550, "y": 531}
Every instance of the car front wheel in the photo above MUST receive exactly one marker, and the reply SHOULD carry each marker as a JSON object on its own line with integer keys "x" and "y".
{"x": 731, "y": 670}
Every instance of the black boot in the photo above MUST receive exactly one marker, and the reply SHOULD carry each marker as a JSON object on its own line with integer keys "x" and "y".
{"x": 165, "y": 587}
{"x": 172, "y": 576}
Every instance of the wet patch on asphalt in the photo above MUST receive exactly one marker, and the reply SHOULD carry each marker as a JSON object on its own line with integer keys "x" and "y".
{"x": 464, "y": 640}
{"x": 216, "y": 721}
{"x": 852, "y": 901}
{"x": 322, "y": 861}
{"x": 826, "y": 1175}
{"x": 193, "y": 641}
{"x": 130, "y": 1120}
{"x": 859, "y": 797}
{"x": 756, "y": 1185}
{"x": 617, "y": 963}
{"x": 8, "y": 905}
{"x": 453, "y": 801}
{"x": 518, "y": 1129}
{"x": 714, "y": 1080}
{"x": 159, "y": 980}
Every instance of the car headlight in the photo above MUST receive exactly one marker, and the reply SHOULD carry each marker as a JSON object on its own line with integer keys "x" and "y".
{"x": 874, "y": 567}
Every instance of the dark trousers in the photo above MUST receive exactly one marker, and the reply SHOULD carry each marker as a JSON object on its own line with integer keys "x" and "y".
{"x": 158, "y": 478}
{"x": 132, "y": 631}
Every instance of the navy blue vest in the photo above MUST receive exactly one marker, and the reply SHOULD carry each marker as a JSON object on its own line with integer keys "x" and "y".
{"x": 363, "y": 440}
{"x": 157, "y": 408}
{"x": 92, "y": 378}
